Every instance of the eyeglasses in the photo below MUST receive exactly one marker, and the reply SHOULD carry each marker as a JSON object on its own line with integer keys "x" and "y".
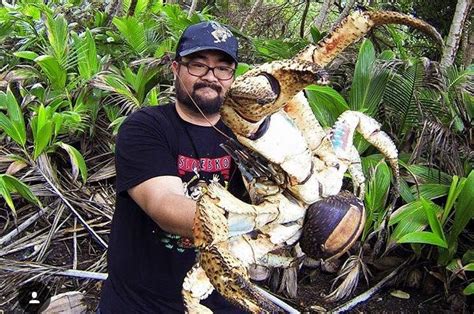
{"x": 200, "y": 69}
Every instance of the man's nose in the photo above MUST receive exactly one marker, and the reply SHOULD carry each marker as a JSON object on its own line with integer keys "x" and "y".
{"x": 210, "y": 77}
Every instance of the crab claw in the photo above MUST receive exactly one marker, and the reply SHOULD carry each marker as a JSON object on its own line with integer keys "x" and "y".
{"x": 227, "y": 274}
{"x": 266, "y": 89}
{"x": 257, "y": 89}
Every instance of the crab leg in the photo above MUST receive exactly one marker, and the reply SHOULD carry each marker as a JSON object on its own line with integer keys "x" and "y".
{"x": 299, "y": 110}
{"x": 354, "y": 27}
{"x": 196, "y": 287}
{"x": 243, "y": 218}
{"x": 342, "y": 136}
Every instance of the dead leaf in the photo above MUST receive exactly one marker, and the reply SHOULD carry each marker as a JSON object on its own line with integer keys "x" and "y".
{"x": 400, "y": 294}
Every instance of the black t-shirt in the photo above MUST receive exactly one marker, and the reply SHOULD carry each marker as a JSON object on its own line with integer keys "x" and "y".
{"x": 146, "y": 265}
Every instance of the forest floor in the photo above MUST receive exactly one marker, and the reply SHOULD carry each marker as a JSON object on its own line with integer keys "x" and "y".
{"x": 429, "y": 298}
{"x": 310, "y": 298}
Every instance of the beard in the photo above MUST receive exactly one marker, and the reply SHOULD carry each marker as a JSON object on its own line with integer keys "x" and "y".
{"x": 207, "y": 106}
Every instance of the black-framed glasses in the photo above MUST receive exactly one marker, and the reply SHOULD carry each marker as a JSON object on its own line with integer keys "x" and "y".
{"x": 200, "y": 69}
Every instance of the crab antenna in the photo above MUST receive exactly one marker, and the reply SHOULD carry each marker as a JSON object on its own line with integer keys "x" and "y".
{"x": 354, "y": 27}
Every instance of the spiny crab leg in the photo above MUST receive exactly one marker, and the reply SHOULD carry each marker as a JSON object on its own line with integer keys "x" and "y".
{"x": 354, "y": 27}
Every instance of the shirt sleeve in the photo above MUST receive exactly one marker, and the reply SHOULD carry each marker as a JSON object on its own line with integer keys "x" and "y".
{"x": 143, "y": 150}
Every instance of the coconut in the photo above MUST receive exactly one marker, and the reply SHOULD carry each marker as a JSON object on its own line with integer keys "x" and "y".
{"x": 332, "y": 225}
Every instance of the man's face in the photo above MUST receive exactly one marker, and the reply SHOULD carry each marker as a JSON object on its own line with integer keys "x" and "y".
{"x": 206, "y": 91}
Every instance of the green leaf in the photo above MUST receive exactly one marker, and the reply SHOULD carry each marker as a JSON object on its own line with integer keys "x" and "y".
{"x": 377, "y": 186}
{"x": 316, "y": 35}
{"x": 408, "y": 218}
{"x": 435, "y": 225}
{"x": 14, "y": 124}
{"x": 58, "y": 36}
{"x": 424, "y": 238}
{"x": 117, "y": 84}
{"x": 405, "y": 191}
{"x": 454, "y": 266}
{"x": 42, "y": 129}
{"x": 469, "y": 267}
{"x": 9, "y": 184}
{"x": 362, "y": 75}
{"x": 29, "y": 55}
{"x": 7, "y": 126}
{"x": 152, "y": 96}
{"x": 165, "y": 46}
{"x": 464, "y": 208}
{"x": 387, "y": 55}
{"x": 53, "y": 70}
{"x": 429, "y": 175}
{"x": 4, "y": 191}
{"x": 115, "y": 124}
{"x": 42, "y": 139}
{"x": 453, "y": 194}
{"x": 87, "y": 59}
{"x": 77, "y": 161}
{"x": 21, "y": 188}
{"x": 468, "y": 256}
{"x": 241, "y": 69}
{"x": 469, "y": 289}
{"x": 430, "y": 190}
{"x": 133, "y": 32}
{"x": 327, "y": 104}
{"x": 276, "y": 49}
{"x": 140, "y": 7}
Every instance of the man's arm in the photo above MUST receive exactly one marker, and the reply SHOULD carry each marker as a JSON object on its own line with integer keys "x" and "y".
{"x": 162, "y": 198}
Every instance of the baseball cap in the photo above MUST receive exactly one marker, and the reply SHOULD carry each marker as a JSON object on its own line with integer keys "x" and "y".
{"x": 208, "y": 35}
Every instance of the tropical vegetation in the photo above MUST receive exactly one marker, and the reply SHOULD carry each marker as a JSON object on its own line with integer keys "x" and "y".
{"x": 72, "y": 70}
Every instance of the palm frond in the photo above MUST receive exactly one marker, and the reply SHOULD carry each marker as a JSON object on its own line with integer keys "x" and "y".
{"x": 133, "y": 32}
{"x": 439, "y": 145}
{"x": 400, "y": 98}
{"x": 350, "y": 273}
{"x": 121, "y": 95}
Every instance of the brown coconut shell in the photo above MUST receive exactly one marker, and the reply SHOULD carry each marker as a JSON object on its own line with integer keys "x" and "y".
{"x": 332, "y": 225}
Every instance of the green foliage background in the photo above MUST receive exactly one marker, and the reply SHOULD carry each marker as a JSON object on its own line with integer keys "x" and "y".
{"x": 71, "y": 71}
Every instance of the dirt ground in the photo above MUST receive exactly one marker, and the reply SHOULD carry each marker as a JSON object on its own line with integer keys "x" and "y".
{"x": 311, "y": 298}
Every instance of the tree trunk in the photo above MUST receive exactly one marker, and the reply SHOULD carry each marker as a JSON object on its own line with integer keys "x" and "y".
{"x": 455, "y": 32}
{"x": 254, "y": 8}
{"x": 303, "y": 18}
{"x": 113, "y": 9}
{"x": 344, "y": 12}
{"x": 192, "y": 8}
{"x": 133, "y": 6}
{"x": 467, "y": 43}
{"x": 319, "y": 21}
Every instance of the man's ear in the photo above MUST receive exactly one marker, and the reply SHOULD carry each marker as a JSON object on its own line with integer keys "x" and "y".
{"x": 174, "y": 68}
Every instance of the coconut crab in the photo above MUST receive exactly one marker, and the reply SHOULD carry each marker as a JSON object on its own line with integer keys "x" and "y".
{"x": 294, "y": 177}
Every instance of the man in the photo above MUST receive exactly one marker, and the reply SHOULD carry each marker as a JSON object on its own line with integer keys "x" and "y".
{"x": 160, "y": 149}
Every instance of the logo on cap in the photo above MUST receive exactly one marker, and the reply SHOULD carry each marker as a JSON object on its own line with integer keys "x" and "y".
{"x": 220, "y": 32}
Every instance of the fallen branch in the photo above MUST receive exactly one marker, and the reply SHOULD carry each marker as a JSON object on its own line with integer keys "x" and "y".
{"x": 8, "y": 237}
{"x": 277, "y": 301}
{"x": 369, "y": 293}
{"x": 74, "y": 211}
{"x": 16, "y": 267}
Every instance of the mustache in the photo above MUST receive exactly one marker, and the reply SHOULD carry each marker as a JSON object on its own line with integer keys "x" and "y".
{"x": 215, "y": 87}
